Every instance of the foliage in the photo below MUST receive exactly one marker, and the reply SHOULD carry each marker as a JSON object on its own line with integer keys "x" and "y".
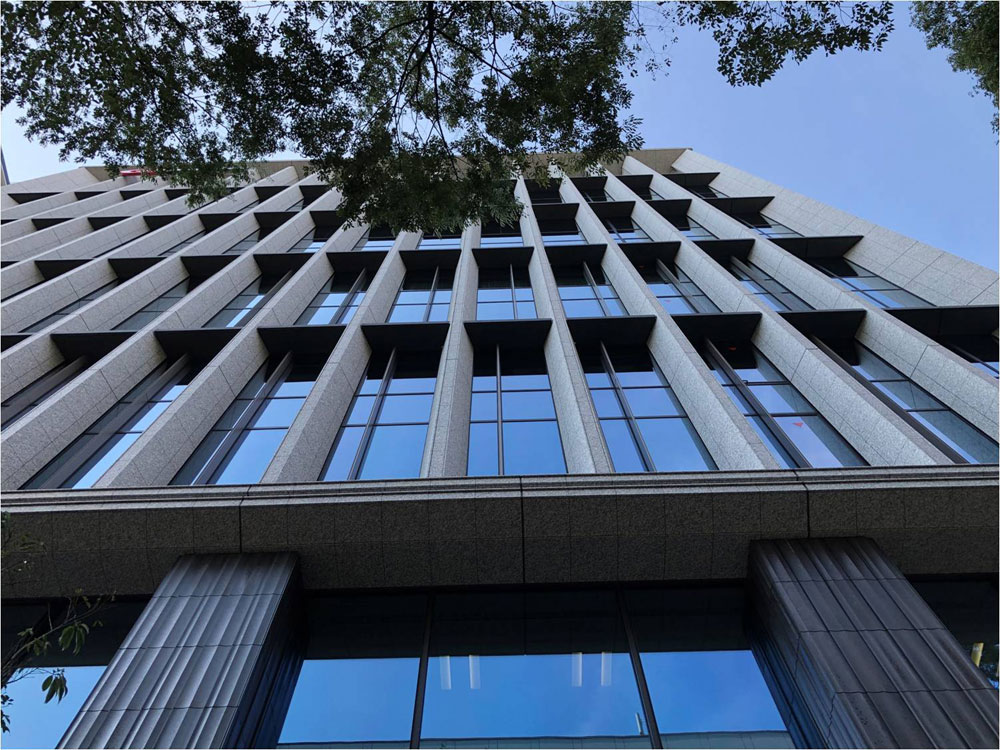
{"x": 419, "y": 113}
{"x": 971, "y": 31}
{"x": 65, "y": 624}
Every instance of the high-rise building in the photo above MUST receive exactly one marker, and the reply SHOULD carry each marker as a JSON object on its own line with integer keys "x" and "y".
{"x": 681, "y": 459}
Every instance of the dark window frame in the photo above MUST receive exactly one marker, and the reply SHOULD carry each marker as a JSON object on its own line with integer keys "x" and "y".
{"x": 39, "y": 390}
{"x": 352, "y": 300}
{"x": 772, "y": 288}
{"x": 513, "y": 295}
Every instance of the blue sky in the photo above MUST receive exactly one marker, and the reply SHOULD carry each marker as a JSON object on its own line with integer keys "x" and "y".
{"x": 893, "y": 137}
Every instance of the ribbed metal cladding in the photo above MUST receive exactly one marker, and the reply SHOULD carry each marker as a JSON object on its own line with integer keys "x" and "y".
{"x": 211, "y": 662}
{"x": 855, "y": 657}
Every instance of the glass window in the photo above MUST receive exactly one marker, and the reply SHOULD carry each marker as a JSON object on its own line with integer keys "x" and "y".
{"x": 560, "y": 232}
{"x": 702, "y": 677}
{"x": 504, "y": 294}
{"x": 85, "y": 460}
{"x": 981, "y": 350}
{"x": 383, "y": 434}
{"x": 706, "y": 191}
{"x": 959, "y": 435}
{"x": 766, "y": 226}
{"x": 545, "y": 195}
{"x": 512, "y": 430}
{"x": 531, "y": 669}
{"x": 183, "y": 243}
{"x": 647, "y": 193}
{"x": 62, "y": 312}
{"x": 865, "y": 284}
{"x": 595, "y": 194}
{"x": 691, "y": 228}
{"x": 157, "y": 307}
{"x": 424, "y": 296}
{"x": 313, "y": 240}
{"x": 586, "y": 293}
{"x": 376, "y": 238}
{"x": 31, "y": 396}
{"x": 624, "y": 230}
{"x": 765, "y": 287}
{"x": 440, "y": 241}
{"x": 674, "y": 289}
{"x": 245, "y": 305}
{"x": 336, "y": 302}
{"x": 791, "y": 427}
{"x": 645, "y": 427}
{"x": 500, "y": 235}
{"x": 249, "y": 241}
{"x": 240, "y": 446}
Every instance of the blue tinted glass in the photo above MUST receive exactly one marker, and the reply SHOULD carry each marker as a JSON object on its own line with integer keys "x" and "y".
{"x": 36, "y": 724}
{"x": 483, "y": 456}
{"x": 360, "y": 410}
{"x": 676, "y": 305}
{"x": 652, "y": 402}
{"x": 781, "y": 399}
{"x": 526, "y": 310}
{"x": 530, "y": 695}
{"x": 395, "y": 452}
{"x": 960, "y": 435}
{"x": 102, "y": 460}
{"x": 352, "y": 700}
{"x": 822, "y": 446}
{"x": 908, "y": 395}
{"x": 147, "y": 415}
{"x": 344, "y": 454}
{"x": 250, "y": 457}
{"x": 495, "y": 311}
{"x": 583, "y": 308}
{"x": 278, "y": 412}
{"x": 411, "y": 385}
{"x": 528, "y": 405}
{"x": 484, "y": 406}
{"x": 407, "y": 314}
{"x": 319, "y": 316}
{"x": 532, "y": 448}
{"x": 710, "y": 691}
{"x": 624, "y": 453}
{"x": 874, "y": 367}
{"x": 538, "y": 381}
{"x": 674, "y": 445}
{"x": 606, "y": 403}
{"x": 772, "y": 443}
{"x": 409, "y": 408}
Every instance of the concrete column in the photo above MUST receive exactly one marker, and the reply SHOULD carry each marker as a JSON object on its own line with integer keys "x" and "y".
{"x": 854, "y": 656}
{"x": 211, "y": 662}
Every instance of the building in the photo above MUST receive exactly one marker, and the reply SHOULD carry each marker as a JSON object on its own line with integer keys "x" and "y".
{"x": 684, "y": 459}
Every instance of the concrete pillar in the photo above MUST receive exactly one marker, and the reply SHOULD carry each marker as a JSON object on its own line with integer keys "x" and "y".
{"x": 854, "y": 656}
{"x": 211, "y": 662}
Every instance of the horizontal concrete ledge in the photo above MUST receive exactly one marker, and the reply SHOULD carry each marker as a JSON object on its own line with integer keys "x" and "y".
{"x": 505, "y": 530}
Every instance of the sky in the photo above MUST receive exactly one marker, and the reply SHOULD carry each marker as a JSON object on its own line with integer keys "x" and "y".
{"x": 893, "y": 136}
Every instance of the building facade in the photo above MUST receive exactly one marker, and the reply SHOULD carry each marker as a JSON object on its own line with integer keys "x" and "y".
{"x": 682, "y": 459}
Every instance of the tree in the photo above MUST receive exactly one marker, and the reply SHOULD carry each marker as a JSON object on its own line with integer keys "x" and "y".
{"x": 971, "y": 31}
{"x": 419, "y": 113}
{"x": 65, "y": 625}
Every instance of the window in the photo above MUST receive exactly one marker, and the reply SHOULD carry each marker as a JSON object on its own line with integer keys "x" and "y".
{"x": 245, "y": 305}
{"x": 75, "y": 305}
{"x": 863, "y": 283}
{"x": 962, "y": 442}
{"x": 545, "y": 196}
{"x": 249, "y": 241}
{"x": 504, "y": 294}
{"x": 498, "y": 235}
{"x": 513, "y": 428}
{"x": 31, "y": 396}
{"x": 440, "y": 241}
{"x": 248, "y": 206}
{"x": 624, "y": 230}
{"x": 560, "y": 232}
{"x": 336, "y": 302}
{"x": 183, "y": 243}
{"x": 793, "y": 430}
{"x": 706, "y": 191}
{"x": 980, "y": 350}
{"x": 302, "y": 203}
{"x": 86, "y": 459}
{"x": 384, "y": 431}
{"x": 157, "y": 307}
{"x": 376, "y": 238}
{"x": 424, "y": 296}
{"x": 766, "y": 226}
{"x": 765, "y": 287}
{"x": 644, "y": 425}
{"x": 586, "y": 293}
{"x": 647, "y": 193}
{"x": 675, "y": 290}
{"x": 595, "y": 195}
{"x": 123, "y": 244}
{"x": 313, "y": 240}
{"x": 240, "y": 446}
{"x": 691, "y": 228}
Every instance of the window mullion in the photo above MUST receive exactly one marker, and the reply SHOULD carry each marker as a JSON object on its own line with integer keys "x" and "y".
{"x": 640, "y": 674}
{"x": 349, "y": 297}
{"x": 513, "y": 296}
{"x": 208, "y": 472}
{"x": 633, "y": 426}
{"x": 499, "y": 413}
{"x": 776, "y": 432}
{"x": 418, "y": 702}
{"x": 667, "y": 275}
{"x": 589, "y": 277}
{"x": 430, "y": 297}
{"x": 359, "y": 457}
